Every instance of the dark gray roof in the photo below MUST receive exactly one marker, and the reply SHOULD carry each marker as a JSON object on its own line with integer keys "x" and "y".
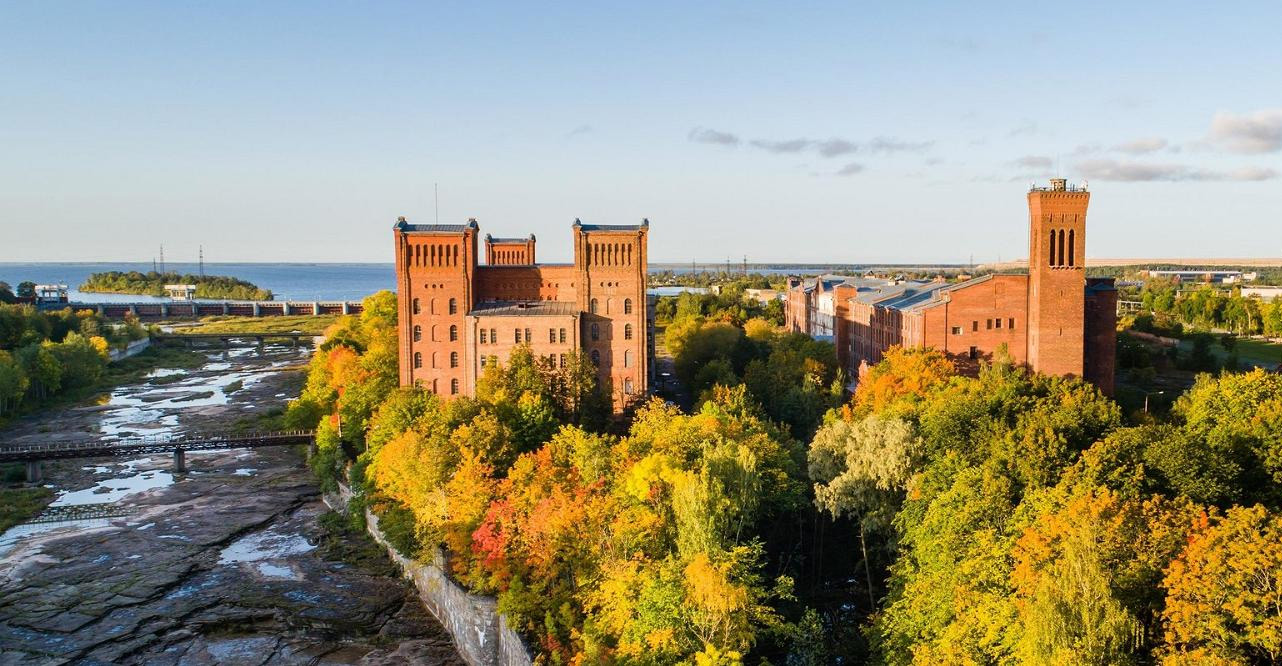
{"x": 645, "y": 224}
{"x": 494, "y": 239}
{"x": 407, "y": 227}
{"x": 525, "y": 309}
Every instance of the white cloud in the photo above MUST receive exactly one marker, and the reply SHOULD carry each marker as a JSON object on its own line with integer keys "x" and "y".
{"x": 1252, "y": 133}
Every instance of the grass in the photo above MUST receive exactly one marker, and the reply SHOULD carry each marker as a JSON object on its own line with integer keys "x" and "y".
{"x": 18, "y": 505}
{"x": 233, "y": 387}
{"x": 1249, "y": 350}
{"x": 312, "y": 324}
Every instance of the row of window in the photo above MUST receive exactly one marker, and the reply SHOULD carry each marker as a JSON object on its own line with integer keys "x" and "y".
{"x": 989, "y": 324}
{"x": 418, "y": 333}
{"x": 415, "y": 307}
{"x": 627, "y": 306}
{"x": 550, "y": 360}
{"x": 418, "y": 359}
{"x": 433, "y": 255}
{"x": 1058, "y": 245}
{"x": 610, "y": 254}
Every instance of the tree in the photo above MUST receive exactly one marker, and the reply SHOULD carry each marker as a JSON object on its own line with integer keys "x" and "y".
{"x": 27, "y": 290}
{"x": 903, "y": 374}
{"x": 13, "y": 382}
{"x": 6, "y": 293}
{"x": 861, "y": 470}
{"x": 1223, "y": 591}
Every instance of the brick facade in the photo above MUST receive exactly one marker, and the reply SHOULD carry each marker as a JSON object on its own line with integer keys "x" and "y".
{"x": 458, "y": 315}
{"x": 1051, "y": 319}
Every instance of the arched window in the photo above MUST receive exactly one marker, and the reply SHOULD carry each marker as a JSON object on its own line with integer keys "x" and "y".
{"x": 627, "y": 358}
{"x": 627, "y": 306}
{"x": 1061, "y": 247}
{"x": 432, "y": 306}
{"x": 453, "y": 333}
{"x": 596, "y": 332}
{"x": 1072, "y": 247}
{"x": 453, "y": 306}
{"x": 418, "y": 332}
{"x": 627, "y": 331}
{"x": 453, "y": 359}
{"x": 418, "y": 359}
{"x": 453, "y": 387}
{"x": 1051, "y": 261}
{"x": 596, "y": 358}
{"x": 414, "y": 306}
{"x": 592, "y": 306}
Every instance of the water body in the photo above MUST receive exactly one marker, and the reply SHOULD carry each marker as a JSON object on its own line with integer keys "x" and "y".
{"x": 325, "y": 282}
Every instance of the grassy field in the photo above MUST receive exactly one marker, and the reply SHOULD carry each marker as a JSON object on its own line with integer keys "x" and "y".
{"x": 313, "y": 324}
{"x": 18, "y": 505}
{"x": 1257, "y": 352}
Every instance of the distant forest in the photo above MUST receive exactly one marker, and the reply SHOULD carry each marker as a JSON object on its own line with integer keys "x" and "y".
{"x": 153, "y": 283}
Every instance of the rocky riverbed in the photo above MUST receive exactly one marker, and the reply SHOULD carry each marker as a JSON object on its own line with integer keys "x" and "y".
{"x": 228, "y": 563}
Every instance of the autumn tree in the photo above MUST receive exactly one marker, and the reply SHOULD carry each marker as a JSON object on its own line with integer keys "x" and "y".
{"x": 1223, "y": 591}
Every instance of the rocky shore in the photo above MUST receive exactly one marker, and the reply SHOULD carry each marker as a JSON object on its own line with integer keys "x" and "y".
{"x": 229, "y": 563}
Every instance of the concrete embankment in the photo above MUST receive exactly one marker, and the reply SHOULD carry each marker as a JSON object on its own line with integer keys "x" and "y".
{"x": 481, "y": 634}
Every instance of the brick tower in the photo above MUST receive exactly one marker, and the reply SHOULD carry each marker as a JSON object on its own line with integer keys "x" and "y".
{"x": 610, "y": 271}
{"x": 435, "y": 266}
{"x": 1057, "y": 278}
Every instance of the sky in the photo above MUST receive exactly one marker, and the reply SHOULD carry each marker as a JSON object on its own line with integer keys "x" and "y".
{"x": 790, "y": 132}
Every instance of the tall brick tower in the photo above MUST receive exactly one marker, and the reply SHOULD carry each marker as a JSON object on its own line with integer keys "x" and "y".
{"x": 435, "y": 265}
{"x": 1057, "y": 278}
{"x": 610, "y": 272}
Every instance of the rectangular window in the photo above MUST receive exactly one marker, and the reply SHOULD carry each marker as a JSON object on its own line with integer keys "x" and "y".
{"x": 998, "y": 322}
{"x": 974, "y": 325}
{"x": 956, "y": 330}
{"x": 518, "y": 335}
{"x": 562, "y": 336}
{"x": 528, "y": 337}
{"x": 551, "y": 335}
{"x": 1011, "y": 323}
{"x": 974, "y": 353}
{"x": 562, "y": 360}
{"x": 482, "y": 361}
{"x": 494, "y": 336}
{"x": 988, "y": 324}
{"x": 482, "y": 336}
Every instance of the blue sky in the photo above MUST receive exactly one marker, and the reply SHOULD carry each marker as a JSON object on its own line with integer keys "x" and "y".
{"x": 792, "y": 132}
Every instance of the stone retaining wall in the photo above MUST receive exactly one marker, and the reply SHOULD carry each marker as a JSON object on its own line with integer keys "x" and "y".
{"x": 480, "y": 632}
{"x": 132, "y": 349}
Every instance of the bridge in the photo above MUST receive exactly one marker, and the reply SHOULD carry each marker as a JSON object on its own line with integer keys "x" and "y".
{"x": 197, "y": 309}
{"x": 33, "y": 454}
{"x": 189, "y": 339}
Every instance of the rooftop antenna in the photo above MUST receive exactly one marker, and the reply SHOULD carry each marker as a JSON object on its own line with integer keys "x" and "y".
{"x": 202, "y": 261}
{"x": 436, "y": 193}
{"x": 745, "y": 264}
{"x": 162, "y": 257}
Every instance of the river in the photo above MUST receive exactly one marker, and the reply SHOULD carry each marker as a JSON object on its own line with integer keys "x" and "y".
{"x": 228, "y": 563}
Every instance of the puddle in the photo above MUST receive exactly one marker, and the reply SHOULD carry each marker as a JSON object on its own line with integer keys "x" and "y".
{"x": 265, "y": 545}
{"x": 277, "y": 571}
{"x": 245, "y": 471}
{"x": 17, "y": 533}
{"x": 113, "y": 490}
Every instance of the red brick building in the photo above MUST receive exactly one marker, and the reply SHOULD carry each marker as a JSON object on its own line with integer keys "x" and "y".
{"x": 458, "y": 315}
{"x": 1053, "y": 319}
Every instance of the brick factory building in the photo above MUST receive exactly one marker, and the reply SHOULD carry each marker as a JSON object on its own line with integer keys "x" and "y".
{"x": 1054, "y": 319}
{"x": 457, "y": 315}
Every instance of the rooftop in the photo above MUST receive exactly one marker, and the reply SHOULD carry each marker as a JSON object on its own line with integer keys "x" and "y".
{"x": 525, "y": 309}
{"x": 645, "y": 224}
{"x": 407, "y": 227}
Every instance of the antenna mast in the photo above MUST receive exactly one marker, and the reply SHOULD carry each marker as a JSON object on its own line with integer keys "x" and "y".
{"x": 162, "y": 257}
{"x": 202, "y": 261}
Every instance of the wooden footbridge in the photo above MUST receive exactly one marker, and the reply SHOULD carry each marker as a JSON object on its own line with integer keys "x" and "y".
{"x": 33, "y": 454}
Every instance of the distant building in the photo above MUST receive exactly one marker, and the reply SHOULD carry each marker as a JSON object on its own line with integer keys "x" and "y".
{"x": 50, "y": 293}
{"x": 1262, "y": 293}
{"x": 1053, "y": 319}
{"x": 180, "y": 292}
{"x": 1204, "y": 275}
{"x": 457, "y": 315}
